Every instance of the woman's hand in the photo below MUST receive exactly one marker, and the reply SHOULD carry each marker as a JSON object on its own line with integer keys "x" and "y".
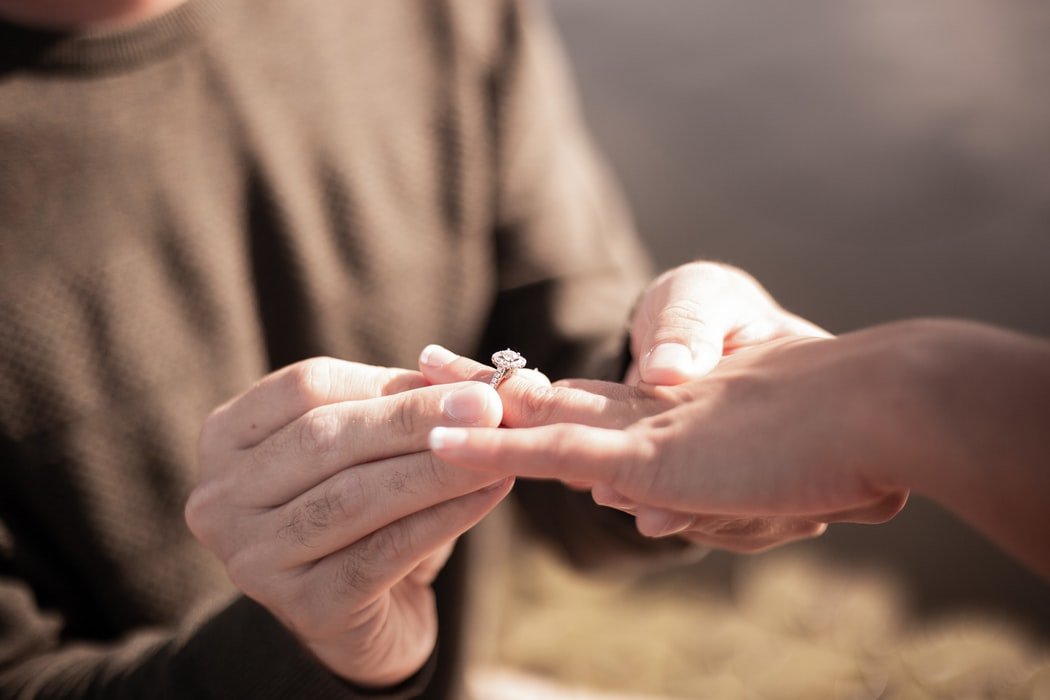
{"x": 772, "y": 445}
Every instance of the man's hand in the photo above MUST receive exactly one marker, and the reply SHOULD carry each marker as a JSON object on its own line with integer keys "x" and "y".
{"x": 318, "y": 494}
{"x": 766, "y": 449}
{"x": 694, "y": 314}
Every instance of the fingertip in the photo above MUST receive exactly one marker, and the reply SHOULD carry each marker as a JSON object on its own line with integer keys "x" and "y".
{"x": 668, "y": 355}
{"x": 706, "y": 358}
{"x": 659, "y": 372}
{"x": 494, "y": 404}
{"x": 657, "y": 522}
{"x": 667, "y": 364}
{"x": 446, "y": 440}
{"x": 674, "y": 363}
{"x": 664, "y": 376}
{"x": 473, "y": 403}
{"x": 435, "y": 356}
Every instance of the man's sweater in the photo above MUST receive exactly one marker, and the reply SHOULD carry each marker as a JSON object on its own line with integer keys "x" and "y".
{"x": 190, "y": 203}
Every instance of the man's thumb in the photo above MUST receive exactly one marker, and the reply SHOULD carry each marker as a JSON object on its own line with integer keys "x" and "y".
{"x": 680, "y": 346}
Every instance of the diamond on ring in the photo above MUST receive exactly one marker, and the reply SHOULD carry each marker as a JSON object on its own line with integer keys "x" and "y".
{"x": 506, "y": 361}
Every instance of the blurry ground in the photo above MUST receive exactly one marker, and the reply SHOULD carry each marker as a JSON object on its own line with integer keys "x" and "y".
{"x": 791, "y": 627}
{"x": 867, "y": 160}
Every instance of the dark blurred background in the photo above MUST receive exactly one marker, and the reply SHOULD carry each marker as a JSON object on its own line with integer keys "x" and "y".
{"x": 867, "y": 160}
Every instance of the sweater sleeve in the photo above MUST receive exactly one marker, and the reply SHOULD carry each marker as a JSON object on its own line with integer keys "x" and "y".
{"x": 570, "y": 268}
{"x": 239, "y": 652}
{"x": 569, "y": 262}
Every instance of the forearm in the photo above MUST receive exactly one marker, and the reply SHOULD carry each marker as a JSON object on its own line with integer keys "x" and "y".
{"x": 569, "y": 263}
{"x": 981, "y": 444}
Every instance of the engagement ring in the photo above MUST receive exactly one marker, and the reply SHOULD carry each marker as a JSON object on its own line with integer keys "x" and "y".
{"x": 506, "y": 361}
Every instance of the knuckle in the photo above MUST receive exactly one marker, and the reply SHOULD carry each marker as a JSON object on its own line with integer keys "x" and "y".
{"x": 538, "y": 402}
{"x": 202, "y": 511}
{"x": 305, "y": 521}
{"x": 648, "y": 458}
{"x": 318, "y": 432}
{"x": 563, "y": 436}
{"x": 393, "y": 542}
{"x": 294, "y": 528}
{"x": 321, "y": 511}
{"x": 391, "y": 381}
{"x": 681, "y": 314}
{"x": 408, "y": 411}
{"x": 349, "y": 493}
{"x": 641, "y": 468}
{"x": 353, "y": 575}
{"x": 195, "y": 513}
{"x": 398, "y": 481}
{"x": 312, "y": 381}
{"x": 433, "y": 469}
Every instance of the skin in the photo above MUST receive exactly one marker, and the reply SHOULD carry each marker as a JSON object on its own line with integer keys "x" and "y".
{"x": 692, "y": 316}
{"x": 376, "y": 624}
{"x": 316, "y": 490}
{"x": 799, "y": 430}
{"x": 318, "y": 494}
{"x": 686, "y": 322}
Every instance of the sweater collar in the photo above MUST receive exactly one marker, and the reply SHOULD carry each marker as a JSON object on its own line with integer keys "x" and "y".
{"x": 95, "y": 52}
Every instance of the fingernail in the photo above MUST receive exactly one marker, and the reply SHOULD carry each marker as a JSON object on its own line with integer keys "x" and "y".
{"x": 661, "y": 523}
{"x": 436, "y": 356}
{"x": 443, "y": 438}
{"x": 669, "y": 356}
{"x": 469, "y": 404}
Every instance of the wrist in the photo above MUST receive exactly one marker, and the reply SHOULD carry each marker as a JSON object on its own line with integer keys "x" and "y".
{"x": 962, "y": 393}
{"x": 907, "y": 404}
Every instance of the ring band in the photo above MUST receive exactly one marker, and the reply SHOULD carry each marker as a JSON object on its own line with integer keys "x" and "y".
{"x": 506, "y": 361}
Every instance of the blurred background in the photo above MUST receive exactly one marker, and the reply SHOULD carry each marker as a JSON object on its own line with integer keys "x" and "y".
{"x": 867, "y": 160}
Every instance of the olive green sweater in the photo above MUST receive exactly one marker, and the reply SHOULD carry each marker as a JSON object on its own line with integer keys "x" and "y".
{"x": 190, "y": 203}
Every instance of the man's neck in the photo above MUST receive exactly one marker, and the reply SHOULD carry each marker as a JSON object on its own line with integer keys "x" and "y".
{"x": 83, "y": 14}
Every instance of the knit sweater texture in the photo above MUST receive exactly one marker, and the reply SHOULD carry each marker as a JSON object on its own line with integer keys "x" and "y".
{"x": 193, "y": 202}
